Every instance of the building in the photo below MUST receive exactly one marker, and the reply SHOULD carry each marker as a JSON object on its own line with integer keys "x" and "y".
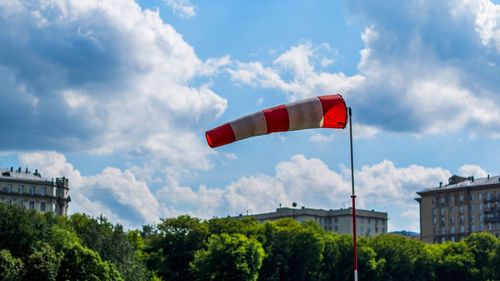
{"x": 463, "y": 206}
{"x": 368, "y": 223}
{"x": 31, "y": 191}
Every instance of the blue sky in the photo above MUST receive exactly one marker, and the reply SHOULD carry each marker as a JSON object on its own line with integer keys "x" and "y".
{"x": 117, "y": 95}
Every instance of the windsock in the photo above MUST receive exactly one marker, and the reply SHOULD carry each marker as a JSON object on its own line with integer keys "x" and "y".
{"x": 319, "y": 112}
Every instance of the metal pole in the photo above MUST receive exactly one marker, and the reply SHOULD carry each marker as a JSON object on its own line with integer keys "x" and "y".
{"x": 353, "y": 196}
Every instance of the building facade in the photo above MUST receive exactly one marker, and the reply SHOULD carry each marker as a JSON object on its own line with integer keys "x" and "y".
{"x": 31, "y": 191}
{"x": 463, "y": 206}
{"x": 368, "y": 223}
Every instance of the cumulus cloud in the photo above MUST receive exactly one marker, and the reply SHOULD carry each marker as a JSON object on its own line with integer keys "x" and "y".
{"x": 114, "y": 193}
{"x": 123, "y": 197}
{"x": 298, "y": 63}
{"x": 311, "y": 183}
{"x": 183, "y": 8}
{"x": 472, "y": 170}
{"x": 103, "y": 77}
{"x": 426, "y": 68}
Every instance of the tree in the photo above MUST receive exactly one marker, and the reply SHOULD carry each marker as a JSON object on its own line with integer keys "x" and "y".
{"x": 401, "y": 258}
{"x": 483, "y": 247}
{"x": 172, "y": 249}
{"x": 11, "y": 268}
{"x": 43, "y": 263}
{"x": 246, "y": 225}
{"x": 456, "y": 262}
{"x": 228, "y": 257}
{"x": 293, "y": 250}
{"x": 81, "y": 263}
{"x": 111, "y": 242}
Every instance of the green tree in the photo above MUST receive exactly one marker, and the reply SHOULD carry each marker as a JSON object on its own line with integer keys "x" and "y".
{"x": 483, "y": 247}
{"x": 228, "y": 257}
{"x": 337, "y": 262}
{"x": 402, "y": 258}
{"x": 172, "y": 248}
{"x": 455, "y": 262}
{"x": 11, "y": 268}
{"x": 43, "y": 263}
{"x": 293, "y": 250}
{"x": 81, "y": 263}
{"x": 111, "y": 242}
{"x": 246, "y": 225}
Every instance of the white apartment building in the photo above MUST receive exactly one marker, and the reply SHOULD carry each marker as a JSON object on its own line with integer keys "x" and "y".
{"x": 30, "y": 190}
{"x": 368, "y": 222}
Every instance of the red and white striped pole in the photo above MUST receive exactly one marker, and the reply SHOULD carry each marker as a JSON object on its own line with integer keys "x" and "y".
{"x": 353, "y": 196}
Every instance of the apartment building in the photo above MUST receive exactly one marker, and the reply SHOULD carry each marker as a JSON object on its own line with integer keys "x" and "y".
{"x": 368, "y": 223}
{"x": 31, "y": 191}
{"x": 465, "y": 205}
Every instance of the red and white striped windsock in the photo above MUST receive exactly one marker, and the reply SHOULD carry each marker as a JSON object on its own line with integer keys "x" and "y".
{"x": 318, "y": 112}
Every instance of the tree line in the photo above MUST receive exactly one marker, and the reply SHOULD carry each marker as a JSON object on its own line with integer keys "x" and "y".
{"x": 36, "y": 246}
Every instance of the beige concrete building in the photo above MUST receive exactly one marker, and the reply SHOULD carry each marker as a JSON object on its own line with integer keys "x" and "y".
{"x": 31, "y": 191}
{"x": 463, "y": 206}
{"x": 368, "y": 223}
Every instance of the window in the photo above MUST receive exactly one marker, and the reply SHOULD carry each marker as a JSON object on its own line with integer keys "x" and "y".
{"x": 480, "y": 206}
{"x": 489, "y": 226}
{"x": 452, "y": 229}
{"x": 32, "y": 205}
{"x": 488, "y": 196}
{"x": 461, "y": 198}
{"x": 7, "y": 188}
{"x": 20, "y": 202}
{"x": 383, "y": 229}
{"x": 44, "y": 191}
{"x": 452, "y": 200}
{"x": 21, "y": 189}
{"x": 481, "y": 227}
{"x": 336, "y": 220}
{"x": 42, "y": 206}
{"x": 480, "y": 196}
{"x": 452, "y": 220}
{"x": 462, "y": 228}
{"x": 336, "y": 228}
{"x": 433, "y": 201}
{"x": 434, "y": 220}
{"x": 473, "y": 228}
{"x": 481, "y": 217}
{"x": 442, "y": 211}
{"x": 461, "y": 209}
{"x": 441, "y": 199}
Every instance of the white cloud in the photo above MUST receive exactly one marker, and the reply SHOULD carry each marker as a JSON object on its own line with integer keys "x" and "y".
{"x": 427, "y": 68}
{"x": 108, "y": 77}
{"x": 96, "y": 194}
{"x": 183, "y": 8}
{"x": 299, "y": 63}
{"x": 472, "y": 170}
{"x": 121, "y": 196}
{"x": 318, "y": 138}
{"x": 487, "y": 22}
{"x": 311, "y": 183}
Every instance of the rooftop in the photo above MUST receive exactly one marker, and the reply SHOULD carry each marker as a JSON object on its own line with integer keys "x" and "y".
{"x": 286, "y": 212}
{"x": 461, "y": 182}
{"x": 19, "y": 174}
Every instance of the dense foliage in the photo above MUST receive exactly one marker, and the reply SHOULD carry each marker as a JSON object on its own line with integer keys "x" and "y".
{"x": 35, "y": 246}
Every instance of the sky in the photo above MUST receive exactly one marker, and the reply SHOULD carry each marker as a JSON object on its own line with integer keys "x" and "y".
{"x": 116, "y": 95}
